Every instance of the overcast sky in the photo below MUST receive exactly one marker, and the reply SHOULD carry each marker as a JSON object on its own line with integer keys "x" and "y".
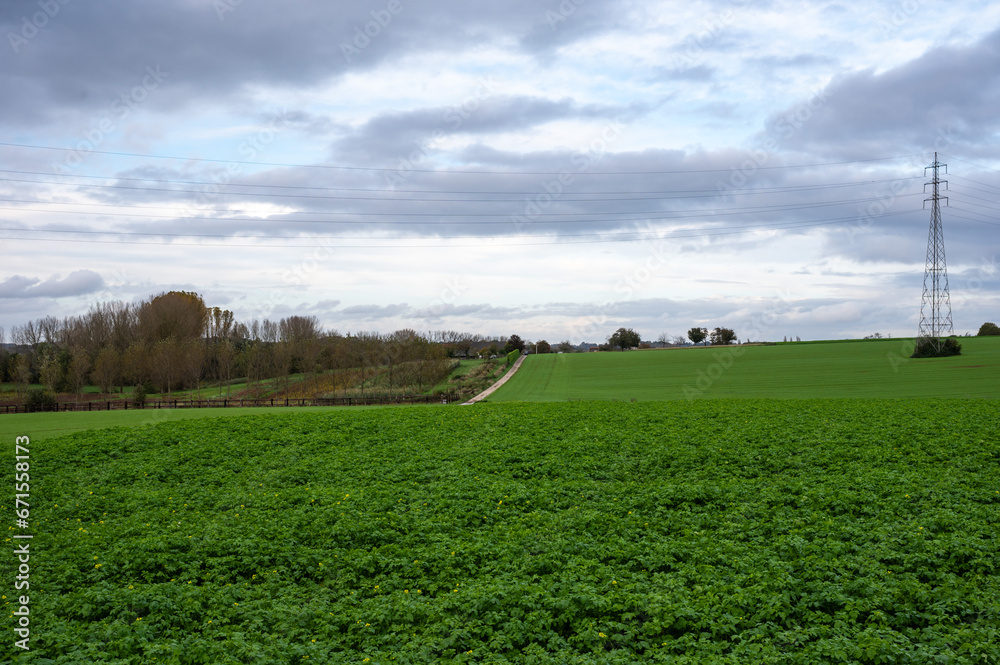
{"x": 551, "y": 169}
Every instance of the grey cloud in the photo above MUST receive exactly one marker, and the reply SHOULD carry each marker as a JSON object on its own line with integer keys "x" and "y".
{"x": 373, "y": 312}
{"x": 697, "y": 73}
{"x": 944, "y": 100}
{"x": 485, "y": 111}
{"x": 798, "y": 61}
{"x": 90, "y": 54}
{"x": 445, "y": 310}
{"x": 324, "y": 306}
{"x": 80, "y": 282}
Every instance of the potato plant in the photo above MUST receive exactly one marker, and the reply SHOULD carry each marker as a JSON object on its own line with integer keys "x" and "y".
{"x": 711, "y": 532}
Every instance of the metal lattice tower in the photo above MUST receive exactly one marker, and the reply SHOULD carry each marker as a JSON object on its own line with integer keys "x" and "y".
{"x": 935, "y": 305}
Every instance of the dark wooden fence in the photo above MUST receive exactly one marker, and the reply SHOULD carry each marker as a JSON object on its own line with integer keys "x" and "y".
{"x": 125, "y": 405}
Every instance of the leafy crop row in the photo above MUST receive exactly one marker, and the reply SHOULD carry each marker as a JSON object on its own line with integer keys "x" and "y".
{"x": 712, "y": 532}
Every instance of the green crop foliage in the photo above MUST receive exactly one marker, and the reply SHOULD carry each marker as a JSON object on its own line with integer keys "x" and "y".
{"x": 869, "y": 368}
{"x": 717, "y": 531}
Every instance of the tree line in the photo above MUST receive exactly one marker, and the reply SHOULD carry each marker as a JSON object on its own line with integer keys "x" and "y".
{"x": 174, "y": 341}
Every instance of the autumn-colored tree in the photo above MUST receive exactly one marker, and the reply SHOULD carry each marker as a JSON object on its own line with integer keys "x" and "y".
{"x": 176, "y": 315}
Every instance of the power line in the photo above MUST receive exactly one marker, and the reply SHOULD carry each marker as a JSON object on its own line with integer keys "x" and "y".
{"x": 440, "y": 171}
{"x": 620, "y": 237}
{"x": 644, "y": 214}
{"x": 561, "y": 199}
{"x": 978, "y": 166}
{"x": 745, "y": 191}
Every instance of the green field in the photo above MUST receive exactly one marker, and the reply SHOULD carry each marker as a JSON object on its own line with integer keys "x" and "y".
{"x": 42, "y": 426}
{"x": 718, "y": 531}
{"x": 868, "y": 369}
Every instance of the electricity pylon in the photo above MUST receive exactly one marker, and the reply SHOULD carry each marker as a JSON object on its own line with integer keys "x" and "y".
{"x": 935, "y": 305}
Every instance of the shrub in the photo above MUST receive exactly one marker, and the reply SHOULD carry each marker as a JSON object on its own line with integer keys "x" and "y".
{"x": 38, "y": 399}
{"x": 139, "y": 396}
{"x": 928, "y": 347}
{"x": 512, "y": 357}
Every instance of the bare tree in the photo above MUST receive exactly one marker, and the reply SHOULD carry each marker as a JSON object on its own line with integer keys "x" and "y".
{"x": 78, "y": 368}
{"x": 48, "y": 329}
{"x": 191, "y": 355}
{"x": 298, "y": 328}
{"x": 166, "y": 364}
{"x": 107, "y": 369}
{"x": 136, "y": 363}
{"x": 225, "y": 355}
